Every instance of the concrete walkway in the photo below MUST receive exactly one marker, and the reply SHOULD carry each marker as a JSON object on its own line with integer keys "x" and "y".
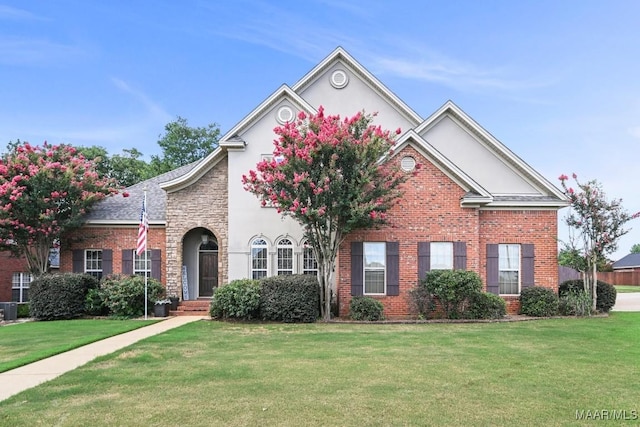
{"x": 627, "y": 302}
{"x": 19, "y": 379}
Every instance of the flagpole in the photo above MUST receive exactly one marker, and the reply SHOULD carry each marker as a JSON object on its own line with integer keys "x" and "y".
{"x": 146, "y": 254}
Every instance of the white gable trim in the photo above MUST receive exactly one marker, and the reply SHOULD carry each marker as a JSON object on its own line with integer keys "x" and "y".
{"x": 196, "y": 173}
{"x": 340, "y": 55}
{"x": 526, "y": 172}
{"x": 412, "y": 138}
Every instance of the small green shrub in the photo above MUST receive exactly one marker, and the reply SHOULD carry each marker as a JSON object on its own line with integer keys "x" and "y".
{"x": 366, "y": 308}
{"x": 606, "y": 293}
{"x": 453, "y": 289}
{"x": 124, "y": 295}
{"x": 23, "y": 310}
{"x": 575, "y": 303}
{"x": 290, "y": 298}
{"x": 94, "y": 303}
{"x": 485, "y": 305}
{"x": 239, "y": 299}
{"x": 538, "y": 301}
{"x": 421, "y": 300}
{"x": 59, "y": 296}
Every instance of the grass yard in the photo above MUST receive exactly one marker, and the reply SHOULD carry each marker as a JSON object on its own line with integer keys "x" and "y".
{"x": 209, "y": 373}
{"x": 627, "y": 289}
{"x": 28, "y": 342}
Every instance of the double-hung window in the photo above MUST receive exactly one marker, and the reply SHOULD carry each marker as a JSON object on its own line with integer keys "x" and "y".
{"x": 374, "y": 268}
{"x": 285, "y": 257}
{"x": 309, "y": 262}
{"x": 441, "y": 256}
{"x": 259, "y": 259}
{"x": 93, "y": 262}
{"x": 142, "y": 264}
{"x": 509, "y": 269}
{"x": 20, "y": 287}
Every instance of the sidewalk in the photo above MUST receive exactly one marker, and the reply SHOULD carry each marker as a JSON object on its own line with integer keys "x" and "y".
{"x": 627, "y": 302}
{"x": 24, "y": 377}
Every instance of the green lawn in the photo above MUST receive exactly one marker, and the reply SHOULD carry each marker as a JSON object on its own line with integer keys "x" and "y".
{"x": 209, "y": 373}
{"x": 627, "y": 289}
{"x": 28, "y": 342}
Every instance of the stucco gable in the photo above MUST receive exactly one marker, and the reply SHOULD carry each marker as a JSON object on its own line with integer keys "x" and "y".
{"x": 486, "y": 160}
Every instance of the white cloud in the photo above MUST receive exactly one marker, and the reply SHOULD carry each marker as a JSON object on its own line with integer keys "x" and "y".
{"x": 13, "y": 13}
{"x": 20, "y": 51}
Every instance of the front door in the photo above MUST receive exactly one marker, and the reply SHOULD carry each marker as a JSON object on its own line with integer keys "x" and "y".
{"x": 208, "y": 279}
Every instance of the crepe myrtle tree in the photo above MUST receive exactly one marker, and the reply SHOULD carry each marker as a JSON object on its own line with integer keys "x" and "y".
{"x": 329, "y": 174}
{"x": 44, "y": 192}
{"x": 598, "y": 225}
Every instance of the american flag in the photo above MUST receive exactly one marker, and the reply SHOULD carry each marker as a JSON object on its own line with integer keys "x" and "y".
{"x": 142, "y": 231}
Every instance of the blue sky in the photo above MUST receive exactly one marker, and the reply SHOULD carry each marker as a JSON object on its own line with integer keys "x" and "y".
{"x": 558, "y": 82}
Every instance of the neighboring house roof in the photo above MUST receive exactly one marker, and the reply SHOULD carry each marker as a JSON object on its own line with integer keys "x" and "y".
{"x": 628, "y": 261}
{"x": 118, "y": 209}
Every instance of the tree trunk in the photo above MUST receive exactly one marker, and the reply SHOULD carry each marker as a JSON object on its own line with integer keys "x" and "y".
{"x": 594, "y": 283}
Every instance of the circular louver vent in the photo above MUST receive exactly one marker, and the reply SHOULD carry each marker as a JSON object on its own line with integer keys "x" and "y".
{"x": 284, "y": 115}
{"x": 339, "y": 79}
{"x": 408, "y": 163}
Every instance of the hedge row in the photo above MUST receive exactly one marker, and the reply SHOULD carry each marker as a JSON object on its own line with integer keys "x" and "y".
{"x": 287, "y": 298}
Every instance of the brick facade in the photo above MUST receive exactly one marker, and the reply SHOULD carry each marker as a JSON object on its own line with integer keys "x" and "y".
{"x": 8, "y": 266}
{"x": 117, "y": 239}
{"x": 201, "y": 204}
{"x": 430, "y": 211}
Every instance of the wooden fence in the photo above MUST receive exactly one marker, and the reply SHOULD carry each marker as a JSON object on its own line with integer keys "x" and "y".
{"x": 629, "y": 278}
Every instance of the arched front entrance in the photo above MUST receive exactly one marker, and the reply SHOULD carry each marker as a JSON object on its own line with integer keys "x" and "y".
{"x": 207, "y": 266}
{"x": 200, "y": 264}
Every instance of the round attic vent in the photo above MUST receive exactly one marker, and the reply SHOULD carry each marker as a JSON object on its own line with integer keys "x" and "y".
{"x": 284, "y": 115}
{"x": 408, "y": 163}
{"x": 339, "y": 79}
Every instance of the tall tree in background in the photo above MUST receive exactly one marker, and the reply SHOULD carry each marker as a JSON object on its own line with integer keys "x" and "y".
{"x": 635, "y": 249}
{"x": 182, "y": 144}
{"x": 327, "y": 175}
{"x": 598, "y": 225}
{"x": 44, "y": 192}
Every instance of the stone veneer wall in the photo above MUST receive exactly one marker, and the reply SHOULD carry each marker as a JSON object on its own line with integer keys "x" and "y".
{"x": 204, "y": 203}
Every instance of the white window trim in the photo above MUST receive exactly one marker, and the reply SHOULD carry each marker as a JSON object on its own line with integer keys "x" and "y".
{"x": 139, "y": 272}
{"x": 519, "y": 269}
{"x": 431, "y": 258}
{"x": 251, "y": 256}
{"x": 289, "y": 246}
{"x": 23, "y": 282}
{"x": 365, "y": 269}
{"x": 91, "y": 271}
{"x": 306, "y": 248}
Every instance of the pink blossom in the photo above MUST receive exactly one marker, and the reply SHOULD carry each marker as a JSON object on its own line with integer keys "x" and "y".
{"x": 563, "y": 177}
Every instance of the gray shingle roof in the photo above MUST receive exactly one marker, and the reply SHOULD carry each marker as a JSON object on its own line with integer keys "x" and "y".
{"x": 627, "y": 261}
{"x": 118, "y": 208}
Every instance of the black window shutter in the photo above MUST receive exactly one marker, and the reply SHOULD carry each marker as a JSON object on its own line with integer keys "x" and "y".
{"x": 493, "y": 284}
{"x": 459, "y": 256}
{"x": 107, "y": 261}
{"x": 356, "y": 269}
{"x": 77, "y": 260}
{"x": 528, "y": 257}
{"x": 393, "y": 268}
{"x": 424, "y": 259}
{"x": 156, "y": 264}
{"x": 127, "y": 261}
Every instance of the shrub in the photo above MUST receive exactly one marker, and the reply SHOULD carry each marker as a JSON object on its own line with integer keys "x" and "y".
{"x": 365, "y": 308}
{"x": 606, "y": 293}
{"x": 453, "y": 289}
{"x": 483, "y": 305}
{"x": 538, "y": 301}
{"x": 290, "y": 298}
{"x": 59, "y": 296}
{"x": 94, "y": 304}
{"x": 124, "y": 295}
{"x": 239, "y": 299}
{"x": 23, "y": 310}
{"x": 575, "y": 303}
{"x": 421, "y": 300}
